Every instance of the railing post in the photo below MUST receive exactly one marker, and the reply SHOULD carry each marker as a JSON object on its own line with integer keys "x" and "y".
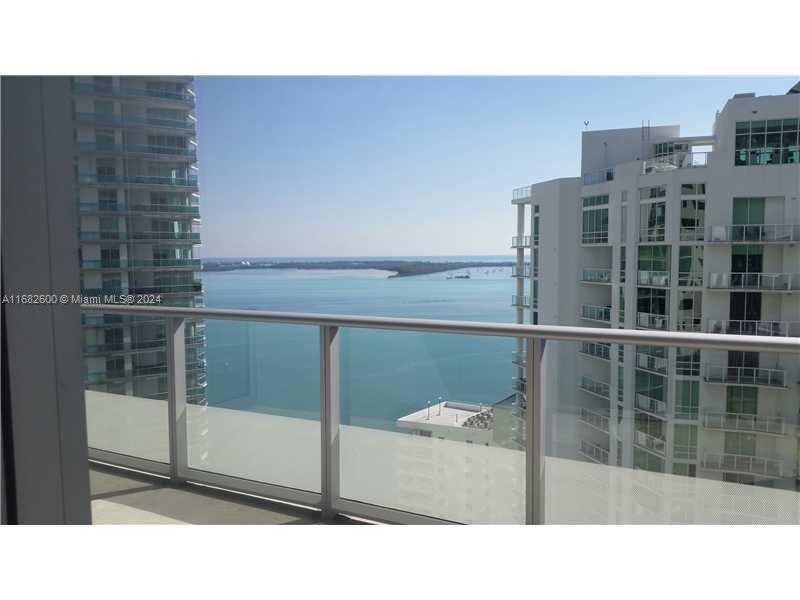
{"x": 176, "y": 398}
{"x": 534, "y": 435}
{"x": 329, "y": 417}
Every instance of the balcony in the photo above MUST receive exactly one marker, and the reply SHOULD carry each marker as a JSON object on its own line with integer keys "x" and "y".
{"x": 120, "y": 208}
{"x": 112, "y": 120}
{"x": 671, "y": 162}
{"x": 521, "y": 241}
{"x": 652, "y": 234}
{"x": 591, "y": 312}
{"x": 649, "y": 362}
{"x": 597, "y": 388}
{"x": 651, "y": 405}
{"x": 652, "y": 321}
{"x": 170, "y": 289}
{"x": 744, "y": 422}
{"x": 145, "y": 151}
{"x": 189, "y": 182}
{"x": 519, "y": 384}
{"x": 143, "y": 264}
{"x": 125, "y": 346}
{"x": 594, "y": 418}
{"x": 692, "y": 234}
{"x": 596, "y": 276}
{"x": 383, "y": 474}
{"x": 589, "y": 238}
{"x": 754, "y": 376}
{"x": 784, "y": 233}
{"x": 521, "y": 272}
{"x": 599, "y": 176}
{"x": 690, "y": 279}
{"x": 654, "y": 278}
{"x": 765, "y": 282}
{"x": 691, "y": 324}
{"x": 521, "y": 301}
{"x": 645, "y": 441}
{"x": 593, "y": 452}
{"x": 748, "y": 465}
{"x": 766, "y": 328}
{"x": 521, "y": 194}
{"x": 186, "y": 98}
{"x": 595, "y": 350}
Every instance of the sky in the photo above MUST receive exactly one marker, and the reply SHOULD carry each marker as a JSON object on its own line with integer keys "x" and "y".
{"x": 409, "y": 166}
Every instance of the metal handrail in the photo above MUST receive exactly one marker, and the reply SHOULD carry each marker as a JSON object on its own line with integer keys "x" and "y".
{"x": 730, "y": 375}
{"x": 754, "y": 281}
{"x": 744, "y": 422}
{"x": 516, "y": 330}
{"x": 762, "y": 232}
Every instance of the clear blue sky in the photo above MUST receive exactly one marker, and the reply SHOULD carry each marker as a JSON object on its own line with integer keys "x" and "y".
{"x": 373, "y": 166}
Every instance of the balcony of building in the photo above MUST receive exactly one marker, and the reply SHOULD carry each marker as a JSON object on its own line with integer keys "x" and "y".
{"x": 690, "y": 279}
{"x": 602, "y": 276}
{"x": 763, "y": 282}
{"x": 594, "y": 387}
{"x": 692, "y": 233}
{"x": 594, "y": 452}
{"x": 759, "y": 466}
{"x": 598, "y": 176}
{"x": 119, "y": 121}
{"x": 650, "y": 362}
{"x": 178, "y": 183}
{"x": 766, "y": 328}
{"x": 596, "y": 418}
{"x": 184, "y": 98}
{"x": 178, "y": 210}
{"x": 519, "y": 358}
{"x": 752, "y": 376}
{"x": 521, "y": 241}
{"x": 144, "y": 151}
{"x": 745, "y": 422}
{"x": 591, "y": 312}
{"x": 782, "y": 233}
{"x": 652, "y": 321}
{"x": 522, "y": 195}
{"x": 521, "y": 301}
{"x": 653, "y": 278}
{"x": 521, "y": 272}
{"x": 651, "y": 405}
{"x": 651, "y": 443}
{"x": 649, "y": 235}
{"x": 678, "y": 160}
{"x": 596, "y": 350}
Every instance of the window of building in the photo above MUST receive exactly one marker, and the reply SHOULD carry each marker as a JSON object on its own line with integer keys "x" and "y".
{"x": 748, "y": 211}
{"x": 654, "y": 258}
{"x": 687, "y": 362}
{"x": 649, "y": 384}
{"x": 690, "y": 266}
{"x": 595, "y": 226}
{"x": 685, "y": 442}
{"x": 685, "y": 469}
{"x": 742, "y": 400}
{"x": 107, "y": 199}
{"x": 595, "y": 201}
{"x": 667, "y": 148}
{"x": 647, "y": 461}
{"x": 623, "y": 223}
{"x": 652, "y": 221}
{"x": 693, "y": 217}
{"x": 622, "y": 264}
{"x": 693, "y": 189}
{"x": 651, "y": 301}
{"x": 774, "y": 141}
{"x": 659, "y": 191}
{"x": 743, "y": 444}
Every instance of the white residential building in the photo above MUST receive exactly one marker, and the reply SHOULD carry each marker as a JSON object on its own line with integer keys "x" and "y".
{"x": 675, "y": 233}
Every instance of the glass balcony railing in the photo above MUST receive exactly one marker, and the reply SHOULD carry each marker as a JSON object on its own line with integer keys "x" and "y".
{"x": 594, "y": 237}
{"x": 94, "y": 89}
{"x": 160, "y": 236}
{"x": 141, "y": 263}
{"x": 591, "y": 312}
{"x": 595, "y": 418}
{"x": 652, "y": 321}
{"x": 670, "y": 162}
{"x": 129, "y": 121}
{"x": 596, "y": 276}
{"x": 411, "y": 421}
{"x": 92, "y": 207}
{"x": 768, "y": 328}
{"x": 756, "y": 376}
{"x": 519, "y": 358}
{"x": 745, "y": 422}
{"x": 521, "y": 193}
{"x": 768, "y": 282}
{"x": 749, "y": 465}
{"x": 595, "y": 350}
{"x": 648, "y": 362}
{"x": 692, "y": 234}
{"x": 652, "y": 234}
{"x": 654, "y": 278}
{"x": 189, "y": 181}
{"x": 521, "y": 241}
{"x": 171, "y": 152}
{"x": 521, "y": 272}
{"x": 166, "y": 289}
{"x": 599, "y": 176}
{"x": 521, "y": 301}
{"x": 759, "y": 233}
{"x": 690, "y": 279}
{"x": 598, "y": 388}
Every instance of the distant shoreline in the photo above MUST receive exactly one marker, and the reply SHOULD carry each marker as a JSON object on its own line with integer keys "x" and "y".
{"x": 400, "y": 268}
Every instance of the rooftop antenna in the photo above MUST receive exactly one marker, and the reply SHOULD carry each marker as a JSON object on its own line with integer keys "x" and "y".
{"x": 585, "y": 125}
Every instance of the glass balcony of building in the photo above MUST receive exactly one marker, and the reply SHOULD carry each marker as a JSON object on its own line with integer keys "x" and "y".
{"x": 652, "y": 234}
{"x": 652, "y": 321}
{"x": 188, "y": 153}
{"x": 654, "y": 278}
{"x": 598, "y": 176}
{"x": 690, "y": 279}
{"x": 594, "y": 237}
{"x": 752, "y": 376}
{"x": 521, "y": 301}
{"x": 783, "y": 233}
{"x": 748, "y": 465}
{"x": 521, "y": 241}
{"x": 521, "y": 193}
{"x": 651, "y": 405}
{"x": 744, "y": 327}
{"x": 193, "y": 287}
{"x": 593, "y": 386}
{"x": 519, "y": 358}
{"x": 650, "y": 362}
{"x": 178, "y": 182}
{"x": 596, "y": 276}
{"x": 521, "y": 272}
{"x": 649, "y": 442}
{"x": 594, "y": 452}
{"x": 185, "y": 97}
{"x": 765, "y": 282}
{"x": 690, "y": 324}
{"x": 596, "y": 350}
{"x": 692, "y": 233}
{"x": 671, "y": 162}
{"x": 745, "y": 422}
{"x": 596, "y": 418}
{"x": 114, "y": 120}
{"x": 591, "y": 312}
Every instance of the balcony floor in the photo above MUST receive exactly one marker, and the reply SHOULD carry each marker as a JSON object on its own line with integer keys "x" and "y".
{"x": 126, "y": 498}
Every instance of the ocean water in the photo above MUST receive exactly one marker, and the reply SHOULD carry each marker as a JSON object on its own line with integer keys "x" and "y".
{"x": 383, "y": 374}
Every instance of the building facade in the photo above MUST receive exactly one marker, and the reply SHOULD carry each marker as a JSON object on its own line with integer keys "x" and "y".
{"x": 671, "y": 233}
{"x": 138, "y": 205}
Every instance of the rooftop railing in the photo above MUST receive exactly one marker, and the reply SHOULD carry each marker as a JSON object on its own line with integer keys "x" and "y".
{"x": 599, "y": 176}
{"x": 769, "y": 282}
{"x": 522, "y": 193}
{"x": 344, "y": 467}
{"x": 760, "y": 233}
{"x": 670, "y": 162}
